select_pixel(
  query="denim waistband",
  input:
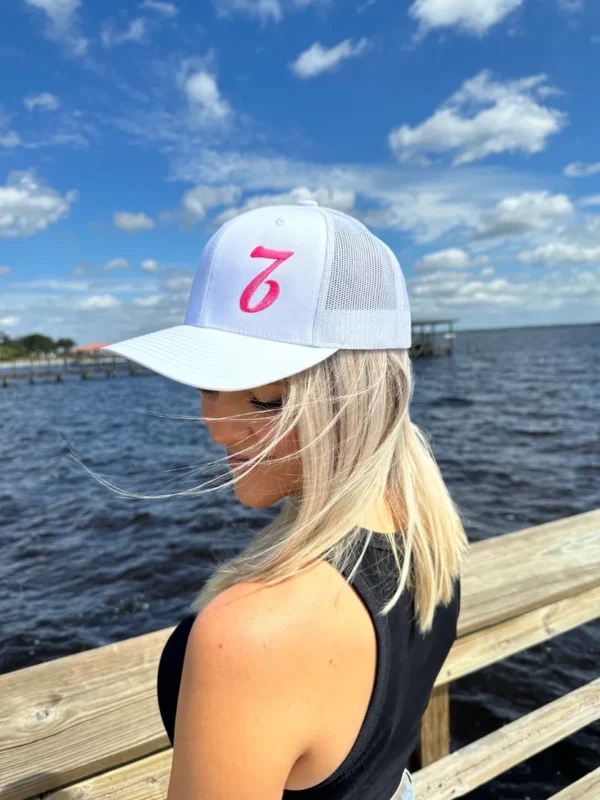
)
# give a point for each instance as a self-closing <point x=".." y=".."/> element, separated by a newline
<point x="405" y="789"/>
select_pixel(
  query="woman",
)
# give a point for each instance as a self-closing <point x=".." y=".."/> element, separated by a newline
<point x="309" y="659"/>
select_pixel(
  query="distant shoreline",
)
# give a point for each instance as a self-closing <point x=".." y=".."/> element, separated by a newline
<point x="26" y="362"/>
<point x="527" y="327"/>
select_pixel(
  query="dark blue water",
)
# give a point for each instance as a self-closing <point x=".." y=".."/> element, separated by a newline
<point x="514" y="424"/>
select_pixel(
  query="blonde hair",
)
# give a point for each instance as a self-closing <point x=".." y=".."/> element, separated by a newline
<point x="357" y="446"/>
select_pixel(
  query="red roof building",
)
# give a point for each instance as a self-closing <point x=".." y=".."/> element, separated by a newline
<point x="89" y="348"/>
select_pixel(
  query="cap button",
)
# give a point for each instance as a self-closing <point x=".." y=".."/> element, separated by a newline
<point x="307" y="203"/>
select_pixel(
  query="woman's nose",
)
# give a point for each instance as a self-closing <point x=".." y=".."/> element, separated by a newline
<point x="228" y="433"/>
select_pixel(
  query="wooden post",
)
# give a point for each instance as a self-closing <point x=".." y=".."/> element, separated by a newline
<point x="435" y="727"/>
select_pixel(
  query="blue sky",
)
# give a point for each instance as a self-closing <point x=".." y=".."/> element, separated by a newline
<point x="462" y="132"/>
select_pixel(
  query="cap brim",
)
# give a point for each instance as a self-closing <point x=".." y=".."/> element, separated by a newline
<point x="206" y="358"/>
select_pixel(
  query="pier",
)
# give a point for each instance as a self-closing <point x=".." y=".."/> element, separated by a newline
<point x="84" y="366"/>
<point x="88" y="725"/>
<point x="427" y="340"/>
<point x="87" y="362"/>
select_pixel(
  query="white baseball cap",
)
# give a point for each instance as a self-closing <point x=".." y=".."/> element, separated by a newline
<point x="278" y="290"/>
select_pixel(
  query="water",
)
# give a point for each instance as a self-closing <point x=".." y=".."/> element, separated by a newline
<point x="513" y="422"/>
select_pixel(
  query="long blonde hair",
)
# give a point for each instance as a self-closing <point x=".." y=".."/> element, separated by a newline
<point x="357" y="445"/>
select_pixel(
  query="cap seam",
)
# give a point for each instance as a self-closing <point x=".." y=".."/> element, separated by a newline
<point x="212" y="269"/>
<point x="323" y="273"/>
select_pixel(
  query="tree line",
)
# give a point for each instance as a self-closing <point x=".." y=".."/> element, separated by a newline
<point x="34" y="344"/>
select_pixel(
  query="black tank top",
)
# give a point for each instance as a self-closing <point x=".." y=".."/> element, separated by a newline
<point x="407" y="665"/>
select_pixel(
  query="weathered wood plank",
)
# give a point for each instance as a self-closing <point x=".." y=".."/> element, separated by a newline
<point x="75" y="716"/>
<point x="512" y="574"/>
<point x="474" y="765"/>
<point x="434" y="742"/>
<point x="97" y="710"/>
<point x="482" y="648"/>
<point x="452" y="777"/>
<point x="146" y="779"/>
<point x="586" y="788"/>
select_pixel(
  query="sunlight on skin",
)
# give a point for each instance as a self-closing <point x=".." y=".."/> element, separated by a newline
<point x="267" y="483"/>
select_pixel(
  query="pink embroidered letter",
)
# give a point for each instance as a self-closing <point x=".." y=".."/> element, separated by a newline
<point x="278" y="256"/>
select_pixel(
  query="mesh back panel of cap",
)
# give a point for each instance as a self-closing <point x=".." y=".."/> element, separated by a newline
<point x="363" y="295"/>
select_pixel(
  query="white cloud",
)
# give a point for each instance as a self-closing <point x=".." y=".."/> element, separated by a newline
<point x="423" y="204"/>
<point x="471" y="16"/>
<point x="10" y="139"/>
<point x="45" y="101"/>
<point x="530" y="211"/>
<point x="571" y="6"/>
<point x="569" y="295"/>
<point x="453" y="258"/>
<point x="262" y="9"/>
<point x="4" y="271"/>
<point x="8" y="322"/>
<point x="580" y="170"/>
<point x="59" y="12"/>
<point x="99" y="301"/>
<point x="196" y="201"/>
<point x="204" y="99"/>
<point x="560" y="253"/>
<point x="59" y="139"/>
<point x="86" y="310"/>
<point x="62" y="23"/>
<point x="135" y="32"/>
<point x="114" y="286"/>
<point x="62" y="129"/>
<point x="484" y="117"/>
<point x="149" y="265"/>
<point x="54" y="283"/>
<point x="179" y="283"/>
<point x="592" y="200"/>
<point x="318" y="59"/>
<point x="117" y="263"/>
<point x="28" y="206"/>
<point x="131" y="222"/>
<point x="330" y="198"/>
<point x="166" y="9"/>
<point x="148" y="302"/>
<point x="425" y="212"/>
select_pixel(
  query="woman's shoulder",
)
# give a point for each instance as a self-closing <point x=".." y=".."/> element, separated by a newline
<point x="292" y="609"/>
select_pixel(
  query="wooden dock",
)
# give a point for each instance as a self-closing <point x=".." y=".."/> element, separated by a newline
<point x="88" y="725"/>
<point x="90" y="365"/>
<point x="427" y="340"/>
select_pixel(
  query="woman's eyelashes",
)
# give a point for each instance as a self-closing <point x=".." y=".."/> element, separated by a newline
<point x="261" y="405"/>
<point x="273" y="405"/>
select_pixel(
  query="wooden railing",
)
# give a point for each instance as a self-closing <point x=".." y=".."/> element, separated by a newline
<point x="88" y="725"/>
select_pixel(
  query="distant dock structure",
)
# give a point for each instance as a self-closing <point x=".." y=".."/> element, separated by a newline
<point x="84" y="362"/>
<point x="87" y="361"/>
<point x="433" y="337"/>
